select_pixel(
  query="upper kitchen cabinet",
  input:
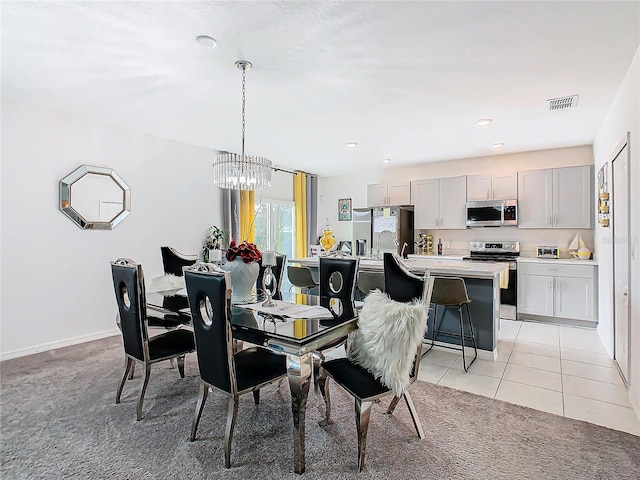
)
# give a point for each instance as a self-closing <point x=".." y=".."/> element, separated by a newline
<point x="439" y="203"/>
<point x="492" y="187"/>
<point x="556" y="198"/>
<point x="388" y="194"/>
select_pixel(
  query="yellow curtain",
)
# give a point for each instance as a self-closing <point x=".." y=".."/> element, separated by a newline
<point x="247" y="214"/>
<point x="300" y="201"/>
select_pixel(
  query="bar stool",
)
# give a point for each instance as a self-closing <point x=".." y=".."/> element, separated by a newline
<point x="300" y="277"/>
<point x="450" y="292"/>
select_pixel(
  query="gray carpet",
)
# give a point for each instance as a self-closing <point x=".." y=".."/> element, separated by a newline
<point x="59" y="420"/>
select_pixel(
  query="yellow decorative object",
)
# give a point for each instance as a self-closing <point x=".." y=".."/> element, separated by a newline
<point x="583" y="252"/>
<point x="328" y="240"/>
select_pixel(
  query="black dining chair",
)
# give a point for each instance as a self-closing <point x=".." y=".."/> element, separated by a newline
<point x="209" y="293"/>
<point x="277" y="270"/>
<point x="378" y="362"/>
<point x="128" y="283"/>
<point x="173" y="262"/>
<point x="336" y="288"/>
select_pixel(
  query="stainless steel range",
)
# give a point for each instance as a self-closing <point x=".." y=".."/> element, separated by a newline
<point x="507" y="252"/>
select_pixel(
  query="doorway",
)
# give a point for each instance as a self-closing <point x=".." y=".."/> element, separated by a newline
<point x="621" y="254"/>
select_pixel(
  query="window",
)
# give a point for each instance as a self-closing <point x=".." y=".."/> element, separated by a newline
<point x="275" y="229"/>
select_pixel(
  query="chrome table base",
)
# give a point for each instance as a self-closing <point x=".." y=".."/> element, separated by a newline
<point x="299" y="369"/>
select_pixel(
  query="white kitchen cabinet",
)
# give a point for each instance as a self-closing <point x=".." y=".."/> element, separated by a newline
<point x="492" y="187"/>
<point x="573" y="197"/>
<point x="562" y="291"/>
<point x="535" y="295"/>
<point x="556" y="198"/>
<point x="439" y="203"/>
<point x="388" y="194"/>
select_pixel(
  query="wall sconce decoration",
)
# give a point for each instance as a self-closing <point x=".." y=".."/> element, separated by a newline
<point x="603" y="197"/>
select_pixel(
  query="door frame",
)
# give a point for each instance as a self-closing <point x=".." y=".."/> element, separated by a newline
<point x="626" y="142"/>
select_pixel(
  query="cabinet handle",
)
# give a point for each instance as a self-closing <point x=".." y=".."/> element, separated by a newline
<point x="494" y="193"/>
<point x="441" y="222"/>
<point x="488" y="196"/>
<point x="550" y="221"/>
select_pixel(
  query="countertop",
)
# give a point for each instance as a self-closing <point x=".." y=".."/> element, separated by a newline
<point x="557" y="261"/>
<point x="521" y="259"/>
<point x="435" y="257"/>
<point x="433" y="264"/>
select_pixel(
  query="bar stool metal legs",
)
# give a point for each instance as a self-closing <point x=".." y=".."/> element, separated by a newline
<point x="449" y="293"/>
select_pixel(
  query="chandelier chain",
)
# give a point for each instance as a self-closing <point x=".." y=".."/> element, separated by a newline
<point x="240" y="172"/>
<point x="244" y="75"/>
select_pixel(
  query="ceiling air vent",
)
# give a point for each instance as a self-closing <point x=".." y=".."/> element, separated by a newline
<point x="561" y="103"/>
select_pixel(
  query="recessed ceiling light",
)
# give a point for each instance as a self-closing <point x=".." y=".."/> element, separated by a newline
<point x="497" y="145"/>
<point x="351" y="144"/>
<point x="206" y="41"/>
<point x="386" y="160"/>
<point x="483" y="122"/>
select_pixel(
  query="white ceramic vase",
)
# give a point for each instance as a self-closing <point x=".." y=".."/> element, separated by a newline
<point x="243" y="278"/>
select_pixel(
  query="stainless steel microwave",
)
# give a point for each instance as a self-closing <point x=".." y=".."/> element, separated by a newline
<point x="492" y="213"/>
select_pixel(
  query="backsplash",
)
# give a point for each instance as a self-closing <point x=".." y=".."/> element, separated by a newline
<point x="456" y="242"/>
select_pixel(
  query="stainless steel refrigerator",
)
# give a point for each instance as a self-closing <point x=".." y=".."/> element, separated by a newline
<point x="361" y="244"/>
<point x="392" y="230"/>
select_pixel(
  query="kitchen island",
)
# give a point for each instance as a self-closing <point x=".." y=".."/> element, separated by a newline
<point x="483" y="287"/>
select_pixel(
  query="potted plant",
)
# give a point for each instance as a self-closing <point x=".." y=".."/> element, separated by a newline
<point x="212" y="241"/>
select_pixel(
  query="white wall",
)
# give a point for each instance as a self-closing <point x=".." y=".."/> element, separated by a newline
<point x="281" y="187"/>
<point x="355" y="187"/>
<point x="623" y="117"/>
<point x="56" y="281"/>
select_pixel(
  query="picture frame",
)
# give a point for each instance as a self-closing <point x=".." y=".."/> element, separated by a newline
<point x="344" y="210"/>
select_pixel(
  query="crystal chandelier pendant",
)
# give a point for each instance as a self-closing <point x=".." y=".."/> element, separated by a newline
<point x="239" y="171"/>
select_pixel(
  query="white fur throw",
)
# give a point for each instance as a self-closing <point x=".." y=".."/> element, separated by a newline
<point x="387" y="337"/>
<point x="168" y="284"/>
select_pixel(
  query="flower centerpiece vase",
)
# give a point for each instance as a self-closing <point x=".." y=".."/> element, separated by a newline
<point x="243" y="278"/>
<point x="242" y="262"/>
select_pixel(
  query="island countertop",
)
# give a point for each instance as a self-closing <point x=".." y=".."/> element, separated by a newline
<point x="434" y="266"/>
<point x="483" y="281"/>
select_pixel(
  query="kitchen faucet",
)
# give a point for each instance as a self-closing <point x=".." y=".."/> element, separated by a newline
<point x="395" y="241"/>
<point x="404" y="245"/>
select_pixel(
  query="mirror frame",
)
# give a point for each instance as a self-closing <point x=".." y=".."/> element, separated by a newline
<point x="69" y="211"/>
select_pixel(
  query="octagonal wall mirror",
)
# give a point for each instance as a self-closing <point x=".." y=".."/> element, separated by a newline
<point x="95" y="198"/>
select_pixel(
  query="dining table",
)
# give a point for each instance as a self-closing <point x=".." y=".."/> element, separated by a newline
<point x="297" y="326"/>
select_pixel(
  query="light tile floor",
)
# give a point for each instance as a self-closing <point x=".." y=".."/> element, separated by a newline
<point x="554" y="368"/>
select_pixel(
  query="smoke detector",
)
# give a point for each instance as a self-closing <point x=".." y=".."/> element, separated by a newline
<point x="561" y="103"/>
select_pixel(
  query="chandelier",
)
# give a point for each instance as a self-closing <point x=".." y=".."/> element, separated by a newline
<point x="242" y="172"/>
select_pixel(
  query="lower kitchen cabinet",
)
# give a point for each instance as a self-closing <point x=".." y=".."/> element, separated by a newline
<point x="562" y="291"/>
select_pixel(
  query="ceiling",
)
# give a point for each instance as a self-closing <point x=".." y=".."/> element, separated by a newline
<point x="406" y="80"/>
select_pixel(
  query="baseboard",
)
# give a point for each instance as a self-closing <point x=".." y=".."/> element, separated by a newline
<point x="526" y="317"/>
<point x="21" y="352"/>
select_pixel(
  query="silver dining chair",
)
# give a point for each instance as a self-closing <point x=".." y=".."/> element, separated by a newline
<point x="232" y="374"/>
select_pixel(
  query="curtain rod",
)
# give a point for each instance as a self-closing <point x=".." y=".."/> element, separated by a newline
<point x="277" y="169"/>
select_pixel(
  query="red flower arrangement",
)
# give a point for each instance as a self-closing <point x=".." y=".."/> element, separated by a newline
<point x="248" y="252"/>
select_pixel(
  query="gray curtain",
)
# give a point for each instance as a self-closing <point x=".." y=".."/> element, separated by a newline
<point x="312" y="210"/>
<point x="231" y="214"/>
